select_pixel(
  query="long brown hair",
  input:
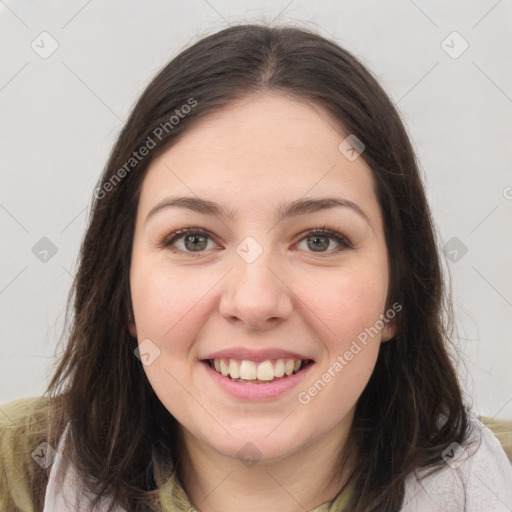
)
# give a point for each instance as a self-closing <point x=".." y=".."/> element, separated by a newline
<point x="412" y="407"/>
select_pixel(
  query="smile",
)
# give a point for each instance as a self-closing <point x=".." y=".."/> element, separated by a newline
<point x="263" y="372"/>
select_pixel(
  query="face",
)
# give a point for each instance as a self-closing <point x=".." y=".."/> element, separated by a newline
<point x="275" y="263"/>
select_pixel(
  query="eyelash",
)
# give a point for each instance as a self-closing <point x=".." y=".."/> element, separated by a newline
<point x="328" y="233"/>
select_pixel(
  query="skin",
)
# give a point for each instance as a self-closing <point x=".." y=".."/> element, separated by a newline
<point x="259" y="152"/>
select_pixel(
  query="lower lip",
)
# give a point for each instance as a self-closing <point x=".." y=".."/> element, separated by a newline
<point x="251" y="391"/>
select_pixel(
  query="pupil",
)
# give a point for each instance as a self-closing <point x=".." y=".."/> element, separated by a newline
<point x="321" y="242"/>
<point x="198" y="242"/>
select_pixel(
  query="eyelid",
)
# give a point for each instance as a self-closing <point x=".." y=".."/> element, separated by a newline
<point x="167" y="241"/>
<point x="329" y="233"/>
<point x="341" y="239"/>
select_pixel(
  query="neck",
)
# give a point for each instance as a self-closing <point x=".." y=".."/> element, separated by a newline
<point x="215" y="482"/>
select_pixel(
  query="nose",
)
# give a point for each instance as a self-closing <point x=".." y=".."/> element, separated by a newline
<point x="255" y="295"/>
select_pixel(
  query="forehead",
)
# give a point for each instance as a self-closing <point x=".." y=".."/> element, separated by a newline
<point x="259" y="151"/>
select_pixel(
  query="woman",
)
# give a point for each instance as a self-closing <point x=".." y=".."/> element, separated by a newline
<point x="259" y="316"/>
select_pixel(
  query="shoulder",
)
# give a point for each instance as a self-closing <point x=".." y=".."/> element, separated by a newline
<point x="23" y="425"/>
<point x="475" y="476"/>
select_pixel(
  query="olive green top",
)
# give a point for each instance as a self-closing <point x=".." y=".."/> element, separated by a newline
<point x="23" y="426"/>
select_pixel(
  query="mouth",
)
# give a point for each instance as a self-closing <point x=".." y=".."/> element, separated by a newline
<point x="252" y="372"/>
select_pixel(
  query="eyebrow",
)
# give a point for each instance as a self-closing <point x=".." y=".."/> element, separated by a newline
<point x="285" y="210"/>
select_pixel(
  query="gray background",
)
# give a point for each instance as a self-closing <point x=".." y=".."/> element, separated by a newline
<point x="61" y="114"/>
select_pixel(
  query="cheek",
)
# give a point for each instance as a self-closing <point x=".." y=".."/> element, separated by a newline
<point x="346" y="303"/>
<point x="170" y="308"/>
<point x="167" y="303"/>
<point x="346" y="318"/>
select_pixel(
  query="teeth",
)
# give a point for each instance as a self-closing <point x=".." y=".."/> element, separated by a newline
<point x="279" y="368"/>
<point x="250" y="370"/>
<point x="224" y="369"/>
<point x="234" y="369"/>
<point x="265" y="371"/>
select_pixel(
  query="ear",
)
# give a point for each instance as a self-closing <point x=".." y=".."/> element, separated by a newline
<point x="133" y="329"/>
<point x="389" y="331"/>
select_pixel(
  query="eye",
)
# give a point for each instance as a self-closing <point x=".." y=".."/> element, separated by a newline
<point x="197" y="240"/>
<point x="188" y="240"/>
<point x="319" y="241"/>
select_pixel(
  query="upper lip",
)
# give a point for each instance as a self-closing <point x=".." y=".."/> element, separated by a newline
<point x="254" y="355"/>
